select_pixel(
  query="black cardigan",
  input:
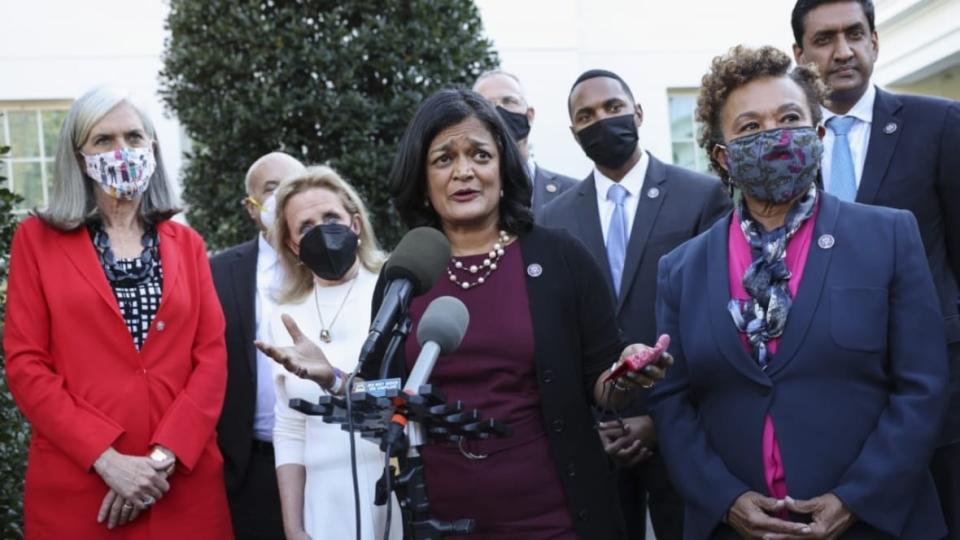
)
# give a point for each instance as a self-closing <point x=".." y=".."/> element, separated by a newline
<point x="575" y="340"/>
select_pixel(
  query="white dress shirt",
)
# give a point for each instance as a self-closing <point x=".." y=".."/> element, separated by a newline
<point x="859" y="136"/>
<point x="269" y="279"/>
<point x="633" y="182"/>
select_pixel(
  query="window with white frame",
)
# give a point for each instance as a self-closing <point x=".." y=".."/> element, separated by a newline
<point x="683" y="131"/>
<point x="30" y="129"/>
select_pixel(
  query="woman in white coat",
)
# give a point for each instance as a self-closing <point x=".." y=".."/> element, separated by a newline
<point x="330" y="258"/>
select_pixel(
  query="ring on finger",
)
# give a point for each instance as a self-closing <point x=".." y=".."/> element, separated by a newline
<point x="127" y="506"/>
<point x="148" y="501"/>
<point x="647" y="386"/>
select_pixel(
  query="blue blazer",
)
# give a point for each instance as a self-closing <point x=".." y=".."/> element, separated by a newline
<point x="913" y="163"/>
<point x="857" y="389"/>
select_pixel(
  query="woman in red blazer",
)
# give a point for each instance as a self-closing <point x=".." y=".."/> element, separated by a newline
<point x="114" y="343"/>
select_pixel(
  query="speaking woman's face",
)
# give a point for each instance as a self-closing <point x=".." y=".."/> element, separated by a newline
<point x="463" y="176"/>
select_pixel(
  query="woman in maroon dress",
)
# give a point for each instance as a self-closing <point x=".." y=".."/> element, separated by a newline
<point x="539" y="337"/>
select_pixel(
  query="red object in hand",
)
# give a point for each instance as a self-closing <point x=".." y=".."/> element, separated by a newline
<point x="636" y="362"/>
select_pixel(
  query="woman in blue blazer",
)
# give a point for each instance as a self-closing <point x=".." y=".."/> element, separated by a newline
<point x="809" y="382"/>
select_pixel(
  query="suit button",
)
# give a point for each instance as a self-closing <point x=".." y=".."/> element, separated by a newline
<point x="558" y="425"/>
<point x="161" y="325"/>
<point x="571" y="469"/>
<point x="548" y="376"/>
<point x="583" y="514"/>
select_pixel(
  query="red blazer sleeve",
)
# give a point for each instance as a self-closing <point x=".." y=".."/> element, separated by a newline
<point x="188" y="425"/>
<point x="75" y="426"/>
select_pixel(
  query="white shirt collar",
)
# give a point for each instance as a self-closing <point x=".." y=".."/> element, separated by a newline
<point x="531" y="169"/>
<point x="633" y="181"/>
<point x="265" y="254"/>
<point x="862" y="110"/>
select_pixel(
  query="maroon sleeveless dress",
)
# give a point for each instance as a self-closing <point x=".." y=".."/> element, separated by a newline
<point x="514" y="492"/>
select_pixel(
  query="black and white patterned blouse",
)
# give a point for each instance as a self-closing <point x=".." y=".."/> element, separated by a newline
<point x="137" y="282"/>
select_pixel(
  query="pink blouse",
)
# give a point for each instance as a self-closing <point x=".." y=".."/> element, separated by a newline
<point x="739" y="260"/>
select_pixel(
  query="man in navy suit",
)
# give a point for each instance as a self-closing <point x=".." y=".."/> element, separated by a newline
<point x="243" y="276"/>
<point x="899" y="151"/>
<point x="504" y="91"/>
<point x="659" y="206"/>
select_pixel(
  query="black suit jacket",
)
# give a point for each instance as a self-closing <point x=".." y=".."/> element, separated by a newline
<point x="575" y="341"/>
<point x="913" y="163"/>
<point x="547" y="186"/>
<point x="235" y="278"/>
<point x="676" y="204"/>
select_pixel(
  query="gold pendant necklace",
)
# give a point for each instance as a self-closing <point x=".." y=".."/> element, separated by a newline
<point x="325" y="332"/>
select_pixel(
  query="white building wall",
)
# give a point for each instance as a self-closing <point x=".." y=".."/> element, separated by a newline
<point x="655" y="45"/>
<point x="59" y="49"/>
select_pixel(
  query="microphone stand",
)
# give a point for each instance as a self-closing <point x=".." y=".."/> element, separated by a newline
<point x="429" y="418"/>
<point x="398" y="338"/>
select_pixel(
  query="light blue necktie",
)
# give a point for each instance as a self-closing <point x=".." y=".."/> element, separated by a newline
<point x="617" y="234"/>
<point x="843" y="179"/>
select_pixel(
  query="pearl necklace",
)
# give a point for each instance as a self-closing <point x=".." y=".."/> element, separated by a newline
<point x="489" y="264"/>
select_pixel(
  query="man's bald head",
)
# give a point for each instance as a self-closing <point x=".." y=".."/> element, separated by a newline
<point x="502" y="88"/>
<point x="264" y="176"/>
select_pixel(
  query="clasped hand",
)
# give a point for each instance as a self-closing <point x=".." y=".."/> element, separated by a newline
<point x="136" y="483"/>
<point x="752" y="515"/>
<point x="630" y="441"/>
<point x="304" y="358"/>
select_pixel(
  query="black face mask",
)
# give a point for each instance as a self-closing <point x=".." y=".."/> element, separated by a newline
<point x="329" y="250"/>
<point x="611" y="141"/>
<point x="517" y="123"/>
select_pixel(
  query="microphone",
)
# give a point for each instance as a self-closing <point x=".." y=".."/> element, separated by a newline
<point x="412" y="269"/>
<point x="441" y="329"/>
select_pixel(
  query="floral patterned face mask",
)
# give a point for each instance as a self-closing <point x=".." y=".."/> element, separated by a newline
<point x="123" y="173"/>
<point x="775" y="166"/>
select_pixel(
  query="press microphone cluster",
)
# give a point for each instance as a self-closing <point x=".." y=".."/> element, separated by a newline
<point x="414" y="266"/>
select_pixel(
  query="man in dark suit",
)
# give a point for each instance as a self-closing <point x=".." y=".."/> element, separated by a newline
<point x="629" y="212"/>
<point x="899" y="151"/>
<point x="505" y="92"/>
<point x="244" y="276"/>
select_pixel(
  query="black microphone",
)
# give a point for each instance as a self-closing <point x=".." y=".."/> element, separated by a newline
<point x="413" y="268"/>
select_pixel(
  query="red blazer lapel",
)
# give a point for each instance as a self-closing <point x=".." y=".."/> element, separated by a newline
<point x="79" y="249"/>
<point x="170" y="259"/>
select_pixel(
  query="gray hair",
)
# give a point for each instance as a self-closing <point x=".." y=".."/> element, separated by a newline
<point x="73" y="203"/>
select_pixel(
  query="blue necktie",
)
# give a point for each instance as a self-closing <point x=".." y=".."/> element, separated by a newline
<point x="617" y="234"/>
<point x="843" y="179"/>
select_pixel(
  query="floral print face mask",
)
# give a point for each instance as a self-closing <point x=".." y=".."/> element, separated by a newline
<point x="775" y="166"/>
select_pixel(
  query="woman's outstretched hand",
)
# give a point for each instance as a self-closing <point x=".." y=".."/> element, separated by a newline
<point x="304" y="358"/>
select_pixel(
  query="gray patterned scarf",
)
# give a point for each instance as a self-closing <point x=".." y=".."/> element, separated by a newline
<point x="767" y="279"/>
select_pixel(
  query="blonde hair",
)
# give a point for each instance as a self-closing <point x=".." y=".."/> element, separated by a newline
<point x="298" y="280"/>
<point x="72" y="202"/>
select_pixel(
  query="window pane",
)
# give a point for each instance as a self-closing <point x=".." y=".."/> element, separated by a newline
<point x="52" y="120"/>
<point x="683" y="155"/>
<point x="28" y="182"/>
<point x="681" y="117"/>
<point x="3" y="132"/>
<point x="23" y="134"/>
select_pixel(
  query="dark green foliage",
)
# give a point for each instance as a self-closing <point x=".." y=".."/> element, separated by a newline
<point x="326" y="81"/>
<point x="14" y="432"/>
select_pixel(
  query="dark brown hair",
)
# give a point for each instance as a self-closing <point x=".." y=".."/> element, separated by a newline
<point x="742" y="65"/>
